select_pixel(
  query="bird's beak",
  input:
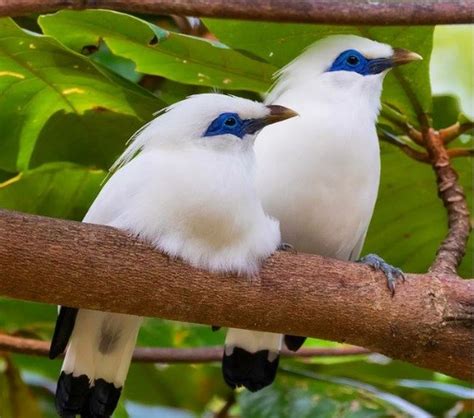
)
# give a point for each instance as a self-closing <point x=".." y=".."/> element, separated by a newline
<point x="404" y="56"/>
<point x="277" y="114"/>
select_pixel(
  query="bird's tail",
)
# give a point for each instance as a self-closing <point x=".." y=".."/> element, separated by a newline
<point x="97" y="360"/>
<point x="250" y="358"/>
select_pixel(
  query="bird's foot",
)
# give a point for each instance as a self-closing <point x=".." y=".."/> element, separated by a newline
<point x="284" y="246"/>
<point x="391" y="273"/>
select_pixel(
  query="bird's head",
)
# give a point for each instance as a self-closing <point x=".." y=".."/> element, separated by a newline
<point x="344" y="64"/>
<point x="205" y="121"/>
<point x="212" y="121"/>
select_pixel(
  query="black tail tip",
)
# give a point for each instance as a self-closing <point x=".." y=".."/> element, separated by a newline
<point x="294" y="342"/>
<point x="71" y="394"/>
<point x="103" y="399"/>
<point x="253" y="371"/>
<point x="54" y="352"/>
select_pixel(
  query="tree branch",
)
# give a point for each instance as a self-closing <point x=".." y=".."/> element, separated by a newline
<point x="388" y="12"/>
<point x="452" y="132"/>
<point x="429" y="322"/>
<point x="452" y="249"/>
<point x="20" y="345"/>
<point x="460" y="152"/>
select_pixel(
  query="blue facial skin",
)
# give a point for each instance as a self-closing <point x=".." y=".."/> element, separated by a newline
<point x="231" y="124"/>
<point x="352" y="60"/>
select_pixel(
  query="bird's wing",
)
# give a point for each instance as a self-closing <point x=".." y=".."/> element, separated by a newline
<point x="355" y="253"/>
<point x="63" y="330"/>
<point x="104" y="210"/>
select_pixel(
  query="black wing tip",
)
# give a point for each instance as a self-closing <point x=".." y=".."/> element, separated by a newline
<point x="55" y="350"/>
<point x="71" y="394"/>
<point x="62" y="331"/>
<point x="254" y="371"/>
<point x="103" y="399"/>
<point x="294" y="342"/>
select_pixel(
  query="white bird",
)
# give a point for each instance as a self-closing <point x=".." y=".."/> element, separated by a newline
<point x="186" y="186"/>
<point x="318" y="174"/>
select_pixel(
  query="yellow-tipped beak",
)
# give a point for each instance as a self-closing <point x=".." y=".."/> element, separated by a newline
<point x="404" y="56"/>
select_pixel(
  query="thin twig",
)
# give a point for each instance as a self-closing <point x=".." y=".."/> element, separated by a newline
<point x="452" y="132"/>
<point x="411" y="152"/>
<point x="30" y="346"/>
<point x="460" y="152"/>
<point x="452" y="249"/>
<point x="224" y="411"/>
<point x="414" y="134"/>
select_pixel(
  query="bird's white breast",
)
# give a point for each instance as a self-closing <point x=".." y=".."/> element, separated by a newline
<point x="319" y="173"/>
<point x="199" y="205"/>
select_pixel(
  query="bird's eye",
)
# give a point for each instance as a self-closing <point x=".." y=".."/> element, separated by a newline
<point x="352" y="60"/>
<point x="230" y="121"/>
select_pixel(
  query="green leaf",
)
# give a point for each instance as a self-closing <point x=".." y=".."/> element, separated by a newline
<point x="33" y="319"/>
<point x="416" y="385"/>
<point x="406" y="88"/>
<point x="446" y="110"/>
<point x="178" y="57"/>
<point x="277" y="43"/>
<point x="165" y="385"/>
<point x="41" y="79"/>
<point x="98" y="148"/>
<point x="294" y="396"/>
<point x="59" y="190"/>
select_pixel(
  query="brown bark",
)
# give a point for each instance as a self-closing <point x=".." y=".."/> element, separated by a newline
<point x="428" y="322"/>
<point x="452" y="132"/>
<point x="20" y="345"/>
<point x="388" y="12"/>
<point x="452" y="249"/>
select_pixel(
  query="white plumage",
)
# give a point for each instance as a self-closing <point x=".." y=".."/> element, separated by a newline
<point x="319" y="174"/>
<point x="189" y="193"/>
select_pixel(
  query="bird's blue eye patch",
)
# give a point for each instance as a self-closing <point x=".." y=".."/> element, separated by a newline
<point x="227" y="123"/>
<point x="352" y="60"/>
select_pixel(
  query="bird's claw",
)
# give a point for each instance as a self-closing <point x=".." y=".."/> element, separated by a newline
<point x="391" y="273"/>
<point x="284" y="246"/>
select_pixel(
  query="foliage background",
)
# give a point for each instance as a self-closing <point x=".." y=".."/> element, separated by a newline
<point x="74" y="86"/>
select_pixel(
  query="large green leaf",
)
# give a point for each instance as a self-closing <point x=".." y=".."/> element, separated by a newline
<point x="59" y="190"/>
<point x="156" y="51"/>
<point x="49" y="94"/>
<point x="418" y="386"/>
<point x="406" y="88"/>
<point x="307" y="395"/>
